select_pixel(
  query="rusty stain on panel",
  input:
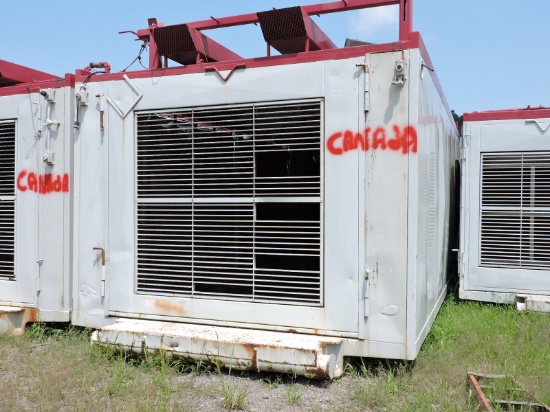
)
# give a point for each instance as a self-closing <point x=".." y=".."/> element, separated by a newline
<point x="13" y="320"/>
<point x="31" y="315"/>
<point x="168" y="306"/>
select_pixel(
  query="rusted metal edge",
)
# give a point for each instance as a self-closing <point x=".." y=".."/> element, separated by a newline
<point x="315" y="357"/>
<point x="13" y="319"/>
<point x="473" y="381"/>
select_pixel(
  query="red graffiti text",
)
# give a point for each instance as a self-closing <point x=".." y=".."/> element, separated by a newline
<point x="43" y="184"/>
<point x="400" y="139"/>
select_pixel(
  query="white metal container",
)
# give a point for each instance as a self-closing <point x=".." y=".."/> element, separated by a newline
<point x="505" y="213"/>
<point x="279" y="219"/>
<point x="35" y="218"/>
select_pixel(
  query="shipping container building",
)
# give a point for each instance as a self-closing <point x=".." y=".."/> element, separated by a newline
<point x="505" y="207"/>
<point x="274" y="213"/>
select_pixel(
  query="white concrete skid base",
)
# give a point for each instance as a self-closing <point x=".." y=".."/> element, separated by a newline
<point x="312" y="356"/>
<point x="536" y="303"/>
<point x="13" y="319"/>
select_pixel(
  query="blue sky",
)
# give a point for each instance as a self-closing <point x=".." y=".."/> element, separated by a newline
<point x="488" y="54"/>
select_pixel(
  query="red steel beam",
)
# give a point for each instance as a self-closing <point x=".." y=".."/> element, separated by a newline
<point x="312" y="10"/>
<point x="11" y="73"/>
<point x="405" y="19"/>
<point x="187" y="45"/>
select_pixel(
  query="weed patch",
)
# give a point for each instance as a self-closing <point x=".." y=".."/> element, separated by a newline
<point x="66" y="372"/>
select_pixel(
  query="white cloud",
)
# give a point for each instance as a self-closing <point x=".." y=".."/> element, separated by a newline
<point x="367" y="22"/>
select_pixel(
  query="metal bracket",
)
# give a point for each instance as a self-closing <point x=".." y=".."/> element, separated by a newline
<point x="226" y="78"/>
<point x="399" y="73"/>
<point x="101" y="112"/>
<point x="103" y="261"/>
<point x="366" y="94"/>
<point x="543" y="126"/>
<point x="49" y="95"/>
<point x="39" y="262"/>
<point x="118" y="109"/>
<point x="81" y="98"/>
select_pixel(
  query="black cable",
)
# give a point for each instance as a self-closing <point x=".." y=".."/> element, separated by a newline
<point x="141" y="50"/>
<point x="87" y="79"/>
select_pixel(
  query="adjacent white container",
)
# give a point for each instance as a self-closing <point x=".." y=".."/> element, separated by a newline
<point x="35" y="201"/>
<point x="505" y="213"/>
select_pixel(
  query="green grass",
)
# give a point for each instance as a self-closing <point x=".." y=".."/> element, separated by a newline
<point x="293" y="394"/>
<point x="53" y="367"/>
<point x="466" y="336"/>
<point x="272" y="381"/>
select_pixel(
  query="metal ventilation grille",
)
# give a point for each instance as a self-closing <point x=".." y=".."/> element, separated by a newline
<point x="7" y="158"/>
<point x="164" y="166"/>
<point x="282" y="23"/>
<point x="515" y="210"/>
<point x="229" y="202"/>
<point x="287" y="154"/>
<point x="173" y="39"/>
<point x="7" y="199"/>
<point x="164" y="247"/>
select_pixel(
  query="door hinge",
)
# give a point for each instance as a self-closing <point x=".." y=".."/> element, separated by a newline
<point x="366" y="290"/>
<point x="103" y="261"/>
<point x="366" y="94"/>
<point x="38" y="275"/>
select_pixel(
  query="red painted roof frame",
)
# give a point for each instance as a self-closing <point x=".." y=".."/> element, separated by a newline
<point x="405" y="21"/>
<point x="267" y="61"/>
<point x="414" y="42"/>
<point x="35" y="87"/>
<point x="509" y="114"/>
<point x="11" y="74"/>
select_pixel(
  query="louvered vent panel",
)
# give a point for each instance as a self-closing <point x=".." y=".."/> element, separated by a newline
<point x="164" y="247"/>
<point x="200" y="231"/>
<point x="223" y="152"/>
<point x="222" y="248"/>
<point x="164" y="155"/>
<point x="288" y="157"/>
<point x="7" y="239"/>
<point x="287" y="249"/>
<point x="7" y="199"/>
<point x="7" y="158"/>
<point x="515" y="210"/>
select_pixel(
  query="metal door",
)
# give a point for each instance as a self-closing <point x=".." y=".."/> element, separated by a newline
<point x="90" y="206"/>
